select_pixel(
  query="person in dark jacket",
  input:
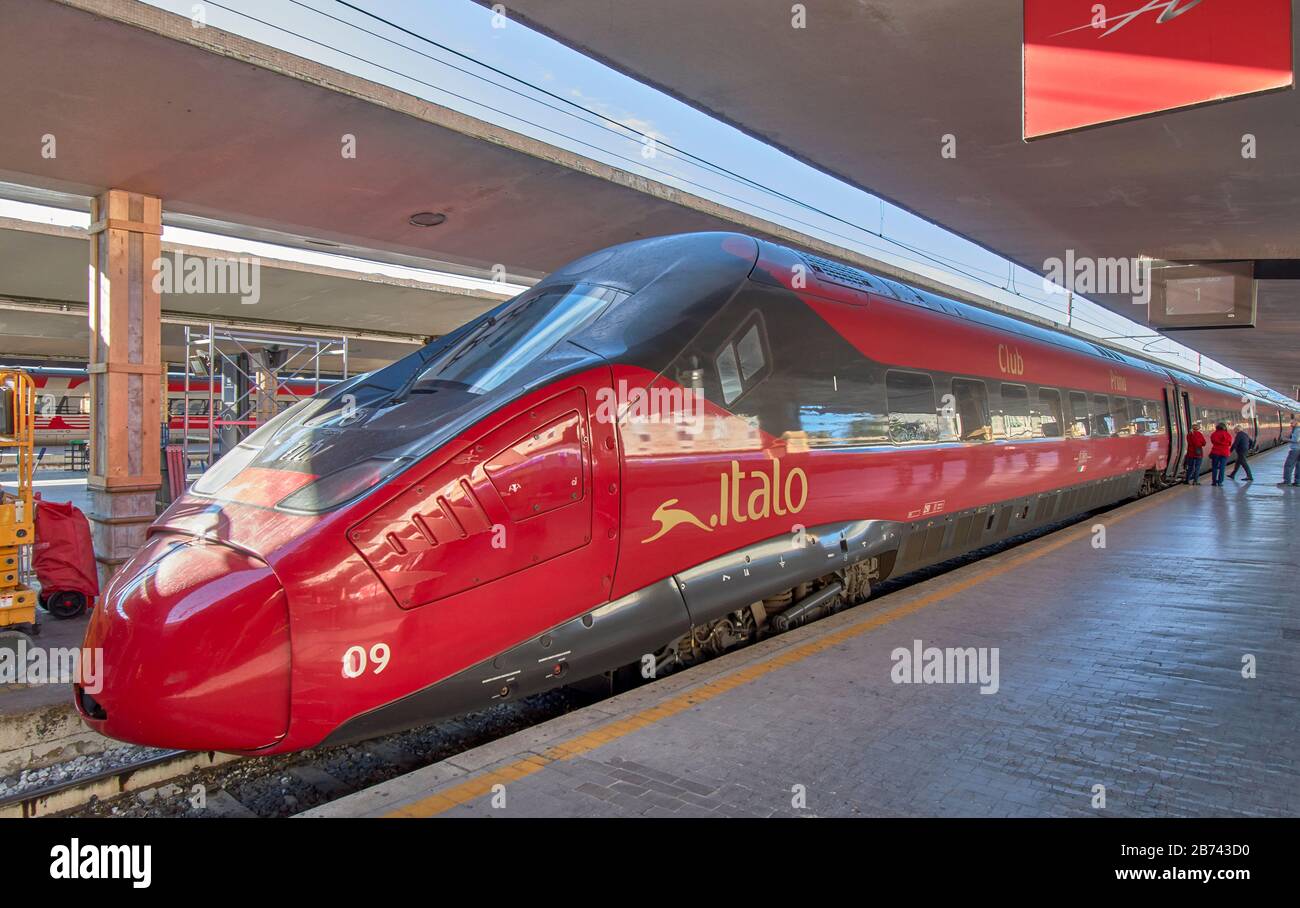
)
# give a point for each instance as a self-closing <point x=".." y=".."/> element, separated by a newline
<point x="1220" y="448"/>
<point x="1241" y="445"/>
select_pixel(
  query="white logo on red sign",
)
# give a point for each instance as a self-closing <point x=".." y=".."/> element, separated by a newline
<point x="1170" y="9"/>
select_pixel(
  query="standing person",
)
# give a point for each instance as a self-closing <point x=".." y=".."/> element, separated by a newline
<point x="1195" y="454"/>
<point x="1220" y="448"/>
<point x="1240" y="448"/>
<point x="1291" y="472"/>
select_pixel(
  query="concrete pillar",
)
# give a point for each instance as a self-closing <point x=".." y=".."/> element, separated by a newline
<point x="125" y="369"/>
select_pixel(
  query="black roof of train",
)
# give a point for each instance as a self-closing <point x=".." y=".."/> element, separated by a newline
<point x="915" y="296"/>
<point x="634" y="265"/>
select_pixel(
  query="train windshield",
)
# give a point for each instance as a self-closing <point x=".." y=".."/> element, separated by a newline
<point x="356" y="434"/>
<point x="499" y="346"/>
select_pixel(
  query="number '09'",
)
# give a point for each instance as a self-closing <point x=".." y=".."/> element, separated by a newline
<point x="355" y="660"/>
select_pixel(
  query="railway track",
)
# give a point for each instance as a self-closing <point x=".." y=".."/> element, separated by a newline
<point x="206" y="784"/>
<point x="58" y="797"/>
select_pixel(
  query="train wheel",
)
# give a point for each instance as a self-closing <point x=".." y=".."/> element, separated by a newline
<point x="67" y="604"/>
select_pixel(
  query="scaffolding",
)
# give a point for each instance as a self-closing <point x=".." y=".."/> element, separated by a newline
<point x="237" y="379"/>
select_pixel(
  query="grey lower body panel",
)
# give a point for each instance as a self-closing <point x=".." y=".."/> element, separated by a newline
<point x="940" y="537"/>
<point x="617" y="633"/>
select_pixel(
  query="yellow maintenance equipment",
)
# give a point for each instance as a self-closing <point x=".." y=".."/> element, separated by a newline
<point x="17" y="515"/>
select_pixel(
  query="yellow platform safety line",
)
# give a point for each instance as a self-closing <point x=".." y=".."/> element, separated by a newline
<point x="482" y="783"/>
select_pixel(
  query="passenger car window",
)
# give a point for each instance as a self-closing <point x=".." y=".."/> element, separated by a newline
<point x="849" y="426"/>
<point x="970" y="415"/>
<point x="1140" y="411"/>
<point x="1119" y="409"/>
<point x="842" y="402"/>
<point x="1049" y="419"/>
<point x="1015" y="412"/>
<point x="1079" y="416"/>
<point x="1103" y="425"/>
<point x="1157" y="413"/>
<point x="913" y="418"/>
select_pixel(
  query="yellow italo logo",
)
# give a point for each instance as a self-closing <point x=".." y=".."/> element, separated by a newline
<point x="741" y="497"/>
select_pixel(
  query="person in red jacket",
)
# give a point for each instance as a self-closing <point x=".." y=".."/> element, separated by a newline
<point x="1220" y="448"/>
<point x="1195" y="454"/>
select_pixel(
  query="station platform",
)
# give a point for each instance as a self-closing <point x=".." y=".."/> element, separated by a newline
<point x="1126" y="666"/>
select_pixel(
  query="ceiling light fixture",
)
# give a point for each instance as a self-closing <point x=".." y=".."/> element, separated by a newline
<point x="427" y="218"/>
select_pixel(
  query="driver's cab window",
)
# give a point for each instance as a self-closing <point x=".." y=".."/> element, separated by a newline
<point x="744" y="360"/>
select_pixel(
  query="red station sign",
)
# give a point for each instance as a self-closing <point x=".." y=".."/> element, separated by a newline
<point x="1089" y="63"/>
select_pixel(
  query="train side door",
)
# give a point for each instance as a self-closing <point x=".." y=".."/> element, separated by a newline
<point x="1189" y="421"/>
<point x="1177" y="434"/>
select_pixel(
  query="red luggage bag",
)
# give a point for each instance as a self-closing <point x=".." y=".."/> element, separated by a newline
<point x="64" y="559"/>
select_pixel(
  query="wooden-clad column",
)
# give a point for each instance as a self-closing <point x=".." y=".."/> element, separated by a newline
<point x="125" y="370"/>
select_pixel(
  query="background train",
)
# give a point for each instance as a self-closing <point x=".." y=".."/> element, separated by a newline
<point x="661" y="451"/>
<point x="63" y="402"/>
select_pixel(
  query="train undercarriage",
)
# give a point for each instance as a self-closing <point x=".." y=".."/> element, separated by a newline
<point x="795" y="607"/>
<point x="800" y="605"/>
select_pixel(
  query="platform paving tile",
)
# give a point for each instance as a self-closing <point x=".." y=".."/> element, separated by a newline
<point x="1118" y="667"/>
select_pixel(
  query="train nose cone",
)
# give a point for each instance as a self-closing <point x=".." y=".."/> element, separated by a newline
<point x="195" y="640"/>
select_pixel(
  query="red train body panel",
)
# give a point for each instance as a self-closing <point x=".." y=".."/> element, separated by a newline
<point x="656" y="453"/>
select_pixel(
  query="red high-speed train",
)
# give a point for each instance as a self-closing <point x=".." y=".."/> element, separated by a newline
<point x="659" y="452"/>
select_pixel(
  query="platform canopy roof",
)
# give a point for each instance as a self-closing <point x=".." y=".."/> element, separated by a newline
<point x="43" y="286"/>
<point x="243" y="134"/>
<point x="869" y="88"/>
<point x="242" y="139"/>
